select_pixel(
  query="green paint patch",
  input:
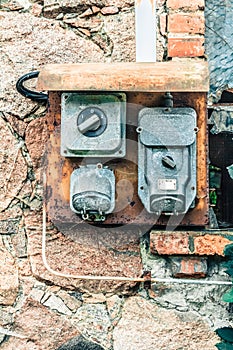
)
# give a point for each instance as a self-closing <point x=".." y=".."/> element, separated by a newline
<point x="226" y="333"/>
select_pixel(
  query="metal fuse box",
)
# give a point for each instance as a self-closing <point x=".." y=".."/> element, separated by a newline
<point x="93" y="124"/>
<point x="167" y="159"/>
<point x="92" y="192"/>
<point x="80" y="93"/>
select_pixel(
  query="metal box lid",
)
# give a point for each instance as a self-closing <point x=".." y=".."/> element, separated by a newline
<point x="167" y="126"/>
<point x="111" y="108"/>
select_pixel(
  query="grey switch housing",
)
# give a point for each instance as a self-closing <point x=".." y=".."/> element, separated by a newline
<point x="93" y="124"/>
<point x="167" y="159"/>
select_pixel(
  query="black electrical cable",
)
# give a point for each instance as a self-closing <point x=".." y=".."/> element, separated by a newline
<point x="33" y="95"/>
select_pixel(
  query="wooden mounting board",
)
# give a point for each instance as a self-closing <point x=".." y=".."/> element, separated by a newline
<point x="173" y="76"/>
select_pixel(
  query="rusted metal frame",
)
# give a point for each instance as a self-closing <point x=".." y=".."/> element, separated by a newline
<point x="60" y="168"/>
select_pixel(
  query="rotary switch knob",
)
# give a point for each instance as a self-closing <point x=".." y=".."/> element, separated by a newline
<point x="168" y="162"/>
<point x="92" y="122"/>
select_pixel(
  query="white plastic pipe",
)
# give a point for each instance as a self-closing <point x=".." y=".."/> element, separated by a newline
<point x="145" y="27"/>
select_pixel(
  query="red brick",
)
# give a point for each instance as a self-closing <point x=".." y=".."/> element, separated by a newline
<point x="186" y="47"/>
<point x="186" y="23"/>
<point x="186" y="4"/>
<point x="210" y="244"/>
<point x="168" y="244"/>
<point x="189" y="267"/>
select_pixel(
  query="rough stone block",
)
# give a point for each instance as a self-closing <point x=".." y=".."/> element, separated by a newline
<point x="6" y="316"/>
<point x="109" y="10"/>
<point x="186" y="47"/>
<point x="15" y="123"/>
<point x="90" y="23"/>
<point x="20" y="243"/>
<point x="94" y="322"/>
<point x="191" y="23"/>
<point x="55" y="303"/>
<point x="40" y="328"/>
<point x="8" y="277"/>
<point x="51" y="9"/>
<point x="12" y="164"/>
<point x="13" y="213"/>
<point x="70" y="301"/>
<point x="93" y="298"/>
<point x="8" y="227"/>
<point x="121" y="31"/>
<point x="145" y="326"/>
<point x="23" y="32"/>
<point x="114" y="306"/>
<point x="36" y="9"/>
<point x="35" y="140"/>
<point x="12" y="5"/>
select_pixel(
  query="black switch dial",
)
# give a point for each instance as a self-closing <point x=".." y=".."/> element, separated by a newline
<point x="168" y="162"/>
<point x="92" y="122"/>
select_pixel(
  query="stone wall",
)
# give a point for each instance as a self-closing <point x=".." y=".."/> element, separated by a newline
<point x="40" y="311"/>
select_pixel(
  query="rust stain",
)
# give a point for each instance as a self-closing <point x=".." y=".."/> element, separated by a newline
<point x="147" y="279"/>
<point x="67" y="169"/>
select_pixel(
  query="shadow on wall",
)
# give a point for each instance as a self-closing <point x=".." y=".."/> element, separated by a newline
<point x="80" y="343"/>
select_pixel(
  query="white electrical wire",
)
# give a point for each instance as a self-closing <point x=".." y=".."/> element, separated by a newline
<point x="117" y="278"/>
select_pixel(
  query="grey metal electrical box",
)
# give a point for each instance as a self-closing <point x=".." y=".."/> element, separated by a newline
<point x="167" y="159"/>
<point x="93" y="124"/>
<point x="92" y="192"/>
<point x="87" y="124"/>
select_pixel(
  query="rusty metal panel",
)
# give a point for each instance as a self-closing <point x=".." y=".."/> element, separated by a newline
<point x="129" y="209"/>
<point x="145" y="77"/>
